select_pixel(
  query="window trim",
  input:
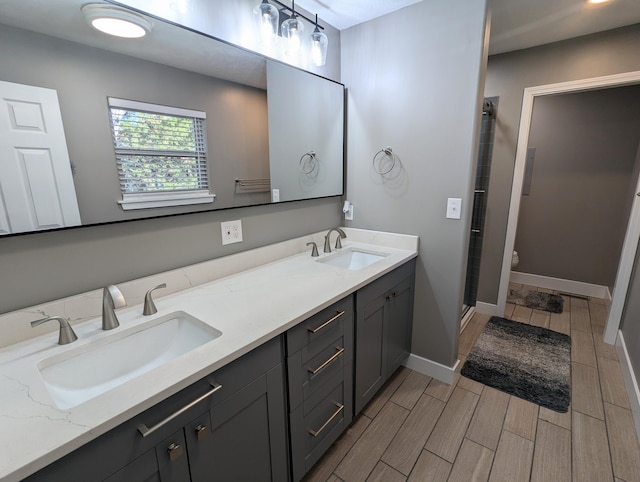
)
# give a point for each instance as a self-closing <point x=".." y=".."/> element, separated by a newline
<point x="146" y="200"/>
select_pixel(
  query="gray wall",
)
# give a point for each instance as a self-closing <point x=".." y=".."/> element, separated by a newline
<point x="630" y="325"/>
<point x="508" y="75"/>
<point x="414" y="81"/>
<point x="42" y="267"/>
<point x="237" y="134"/>
<point x="572" y="224"/>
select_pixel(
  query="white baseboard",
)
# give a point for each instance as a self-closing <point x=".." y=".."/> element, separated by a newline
<point x="432" y="369"/>
<point x="565" y="285"/>
<point x="488" y="309"/>
<point x="630" y="380"/>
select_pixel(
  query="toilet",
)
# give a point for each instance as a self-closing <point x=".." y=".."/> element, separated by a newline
<point x="514" y="260"/>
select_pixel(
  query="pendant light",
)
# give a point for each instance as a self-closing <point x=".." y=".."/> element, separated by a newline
<point x="268" y="17"/>
<point x="319" y="43"/>
<point x="292" y="30"/>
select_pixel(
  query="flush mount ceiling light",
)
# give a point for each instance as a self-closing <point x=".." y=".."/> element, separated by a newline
<point x="598" y="1"/>
<point x="116" y="21"/>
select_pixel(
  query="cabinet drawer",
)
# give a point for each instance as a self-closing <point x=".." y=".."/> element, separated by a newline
<point x="316" y="424"/>
<point x="319" y="372"/>
<point x="320" y="325"/>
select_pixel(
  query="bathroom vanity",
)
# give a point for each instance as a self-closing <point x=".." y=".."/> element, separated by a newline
<point x="263" y="400"/>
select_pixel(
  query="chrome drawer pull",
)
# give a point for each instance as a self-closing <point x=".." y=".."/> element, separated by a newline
<point x="146" y="431"/>
<point x="328" y="322"/>
<point x="324" y="425"/>
<point x="333" y="357"/>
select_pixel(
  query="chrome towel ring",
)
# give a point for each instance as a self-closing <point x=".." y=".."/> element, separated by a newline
<point x="309" y="163"/>
<point x="384" y="161"/>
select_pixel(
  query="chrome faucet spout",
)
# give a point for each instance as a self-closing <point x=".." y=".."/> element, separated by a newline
<point x="112" y="298"/>
<point x="327" y="239"/>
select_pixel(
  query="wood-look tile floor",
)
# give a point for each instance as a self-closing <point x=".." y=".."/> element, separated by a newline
<point x="419" y="429"/>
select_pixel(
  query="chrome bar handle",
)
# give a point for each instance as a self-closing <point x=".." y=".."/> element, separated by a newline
<point x="315" y="433"/>
<point x="333" y="357"/>
<point x="146" y="431"/>
<point x="326" y="323"/>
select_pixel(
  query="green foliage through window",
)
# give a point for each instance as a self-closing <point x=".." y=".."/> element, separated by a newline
<point x="158" y="152"/>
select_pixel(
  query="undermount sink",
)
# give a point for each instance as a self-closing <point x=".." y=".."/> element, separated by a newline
<point x="353" y="259"/>
<point x="82" y="373"/>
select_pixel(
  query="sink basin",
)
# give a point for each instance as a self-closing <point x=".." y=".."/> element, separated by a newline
<point x="353" y="259"/>
<point x="82" y="373"/>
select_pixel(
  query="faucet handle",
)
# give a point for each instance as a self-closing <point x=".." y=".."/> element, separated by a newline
<point x="149" y="305"/>
<point x="66" y="335"/>
<point x="314" y="250"/>
<point x="338" y="243"/>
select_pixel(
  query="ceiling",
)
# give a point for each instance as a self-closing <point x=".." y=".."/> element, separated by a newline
<point x="515" y="24"/>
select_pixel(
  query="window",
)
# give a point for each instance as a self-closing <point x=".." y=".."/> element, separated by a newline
<point x="161" y="154"/>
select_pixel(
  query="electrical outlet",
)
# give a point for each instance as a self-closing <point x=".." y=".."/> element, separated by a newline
<point x="275" y="195"/>
<point x="231" y="232"/>
<point x="349" y="214"/>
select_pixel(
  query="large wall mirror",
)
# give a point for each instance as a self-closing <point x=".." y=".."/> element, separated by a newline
<point x="273" y="133"/>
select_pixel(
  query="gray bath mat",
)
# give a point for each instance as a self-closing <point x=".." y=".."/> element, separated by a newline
<point x="535" y="299"/>
<point x="527" y="361"/>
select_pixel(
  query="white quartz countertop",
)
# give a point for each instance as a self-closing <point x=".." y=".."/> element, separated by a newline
<point x="249" y="308"/>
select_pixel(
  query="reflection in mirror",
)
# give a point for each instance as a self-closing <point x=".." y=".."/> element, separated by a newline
<point x="305" y="133"/>
<point x="172" y="67"/>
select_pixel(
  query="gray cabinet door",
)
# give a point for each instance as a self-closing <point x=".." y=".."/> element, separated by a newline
<point x="247" y="439"/>
<point x="370" y="359"/>
<point x="399" y="324"/>
<point x="384" y="320"/>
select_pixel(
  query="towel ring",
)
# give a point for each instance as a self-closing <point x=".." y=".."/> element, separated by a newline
<point x="387" y="152"/>
<point x="308" y="162"/>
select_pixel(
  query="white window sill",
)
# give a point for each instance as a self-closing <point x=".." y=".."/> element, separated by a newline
<point x="160" y="200"/>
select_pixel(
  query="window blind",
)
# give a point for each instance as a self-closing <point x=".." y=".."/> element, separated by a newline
<point x="159" y="149"/>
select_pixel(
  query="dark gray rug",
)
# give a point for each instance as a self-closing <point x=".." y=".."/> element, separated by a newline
<point x="527" y="361"/>
<point x="535" y="299"/>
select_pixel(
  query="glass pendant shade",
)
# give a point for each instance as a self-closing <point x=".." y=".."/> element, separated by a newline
<point x="319" y="43"/>
<point x="268" y="17"/>
<point x="292" y="30"/>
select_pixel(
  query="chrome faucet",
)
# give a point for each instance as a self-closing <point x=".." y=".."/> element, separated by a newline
<point x="149" y="305"/>
<point x="327" y="240"/>
<point x="66" y="335"/>
<point x="111" y="299"/>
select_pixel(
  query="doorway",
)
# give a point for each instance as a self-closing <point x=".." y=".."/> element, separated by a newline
<point x="633" y="229"/>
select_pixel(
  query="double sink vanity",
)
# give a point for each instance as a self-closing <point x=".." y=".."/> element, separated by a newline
<point x="251" y="376"/>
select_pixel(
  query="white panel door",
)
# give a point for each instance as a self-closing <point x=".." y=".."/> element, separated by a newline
<point x="36" y="184"/>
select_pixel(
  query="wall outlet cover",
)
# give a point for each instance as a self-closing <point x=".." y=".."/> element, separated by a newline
<point x="231" y="232"/>
<point x="454" y="206"/>
<point x="349" y="214"/>
<point x="275" y="195"/>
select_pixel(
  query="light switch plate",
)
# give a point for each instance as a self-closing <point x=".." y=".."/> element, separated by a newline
<point x="231" y="232"/>
<point x="454" y="206"/>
